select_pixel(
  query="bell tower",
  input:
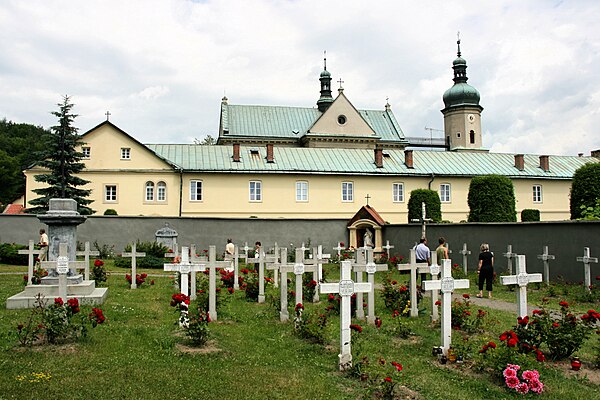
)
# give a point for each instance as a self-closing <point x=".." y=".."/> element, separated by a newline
<point x="462" y="112"/>
<point x="325" y="100"/>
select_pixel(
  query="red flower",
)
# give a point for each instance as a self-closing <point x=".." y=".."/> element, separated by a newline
<point x="58" y="301"/>
<point x="378" y="322"/>
<point x="540" y="356"/>
<point x="230" y="290"/>
<point x="73" y="304"/>
<point x="397" y="365"/>
<point x="537" y="312"/>
<point x="512" y="342"/>
<point x="438" y="303"/>
<point x="523" y="321"/>
<point x="356" y="328"/>
<point x="394" y="282"/>
<point x="96" y="316"/>
<point x="98" y="263"/>
<point x="555" y="324"/>
<point x="466" y="296"/>
<point x="388" y="379"/>
<point x="563" y="304"/>
<point x="299" y="306"/>
<point x="152" y="282"/>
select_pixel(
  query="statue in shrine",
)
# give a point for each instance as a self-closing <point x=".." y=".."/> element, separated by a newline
<point x="368" y="238"/>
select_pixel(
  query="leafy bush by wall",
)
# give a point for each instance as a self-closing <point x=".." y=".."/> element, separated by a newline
<point x="155" y="253"/>
<point x="585" y="189"/>
<point x="433" y="206"/>
<point x="530" y="214"/>
<point x="9" y="254"/>
<point x="110" y="211"/>
<point x="491" y="199"/>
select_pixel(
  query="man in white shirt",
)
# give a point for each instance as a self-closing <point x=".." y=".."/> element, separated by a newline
<point x="422" y="254"/>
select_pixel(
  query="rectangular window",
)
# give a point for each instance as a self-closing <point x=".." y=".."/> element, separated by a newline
<point x="301" y="191"/>
<point x="125" y="153"/>
<point x="445" y="193"/>
<point x="86" y="151"/>
<point x="110" y="193"/>
<point x="196" y="190"/>
<point x="347" y="191"/>
<point x="149" y="191"/>
<point x="398" y="192"/>
<point x="537" y="193"/>
<point x="255" y="191"/>
<point x="161" y="191"/>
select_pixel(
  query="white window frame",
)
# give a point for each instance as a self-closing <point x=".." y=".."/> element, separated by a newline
<point x="161" y="191"/>
<point x="255" y="191"/>
<point x="348" y="192"/>
<point x="195" y="194"/>
<point x="398" y="195"/>
<point x="125" y="153"/>
<point x="149" y="191"/>
<point x="110" y="193"/>
<point x="445" y="193"/>
<point x="302" y="191"/>
<point x="87" y="152"/>
<point x="537" y="193"/>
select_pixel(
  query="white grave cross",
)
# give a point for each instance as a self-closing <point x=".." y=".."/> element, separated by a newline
<point x="434" y="270"/>
<point x="465" y="253"/>
<point x="414" y="268"/>
<point x="387" y="248"/>
<point x="587" y="260"/>
<point x="346" y="288"/>
<point x="522" y="278"/>
<point x="86" y="253"/>
<point x="30" y="260"/>
<point x="62" y="266"/>
<point x="299" y="269"/>
<point x="134" y="255"/>
<point x="447" y="285"/>
<point x="370" y="268"/>
<point x="283" y="269"/>
<point x="339" y="249"/>
<point x="184" y="267"/>
<point x="212" y="266"/>
<point x="509" y="255"/>
<point x="545" y="257"/>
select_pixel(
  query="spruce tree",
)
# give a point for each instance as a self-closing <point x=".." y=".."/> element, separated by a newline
<point x="63" y="162"/>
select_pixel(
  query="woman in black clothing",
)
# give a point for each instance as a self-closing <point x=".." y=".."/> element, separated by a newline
<point x="485" y="269"/>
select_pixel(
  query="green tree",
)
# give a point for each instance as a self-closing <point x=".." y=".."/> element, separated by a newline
<point x="63" y="162"/>
<point x="491" y="199"/>
<point x="433" y="206"/>
<point x="585" y="189"/>
<point x="207" y="141"/>
<point x="19" y="144"/>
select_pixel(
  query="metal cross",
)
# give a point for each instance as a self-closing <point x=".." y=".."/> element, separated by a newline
<point x="108" y="114"/>
<point x="340" y="82"/>
<point x="367" y="197"/>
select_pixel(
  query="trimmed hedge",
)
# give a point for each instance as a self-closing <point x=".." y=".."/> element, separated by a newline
<point x="433" y="206"/>
<point x="110" y="211"/>
<point x="491" y="199"/>
<point x="585" y="189"/>
<point x="530" y="214"/>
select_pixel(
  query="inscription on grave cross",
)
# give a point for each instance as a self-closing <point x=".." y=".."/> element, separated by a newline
<point x="545" y="257"/>
<point x="447" y="285"/>
<point x="587" y="260"/>
<point x="184" y="267"/>
<point x="521" y="279"/>
<point x="346" y="288"/>
<point x="62" y="266"/>
<point x="299" y="269"/>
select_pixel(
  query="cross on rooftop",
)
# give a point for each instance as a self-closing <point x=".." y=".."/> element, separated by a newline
<point x="340" y="82"/>
<point x="367" y="197"/>
<point x="108" y="114"/>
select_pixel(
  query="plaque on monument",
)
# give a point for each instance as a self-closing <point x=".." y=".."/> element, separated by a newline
<point x="62" y="264"/>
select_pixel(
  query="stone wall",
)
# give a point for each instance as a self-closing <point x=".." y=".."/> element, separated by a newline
<point x="565" y="239"/>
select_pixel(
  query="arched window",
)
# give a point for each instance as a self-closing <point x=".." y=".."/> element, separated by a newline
<point x="161" y="191"/>
<point x="472" y="136"/>
<point x="149" y="191"/>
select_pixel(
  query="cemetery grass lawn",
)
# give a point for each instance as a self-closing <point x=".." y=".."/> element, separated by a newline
<point x="138" y="354"/>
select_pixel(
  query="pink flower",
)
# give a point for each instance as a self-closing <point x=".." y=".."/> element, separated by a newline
<point x="536" y="386"/>
<point x="523" y="388"/>
<point x="513" y="366"/>
<point x="509" y="373"/>
<point x="512" y="382"/>
<point x="530" y="375"/>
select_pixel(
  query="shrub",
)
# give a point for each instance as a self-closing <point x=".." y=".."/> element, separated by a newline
<point x="154" y="256"/>
<point x="463" y="318"/>
<point x="98" y="272"/>
<point x="110" y="211"/>
<point x="491" y="199"/>
<point x="311" y="327"/>
<point x="9" y="254"/>
<point x="396" y="296"/>
<point x="585" y="189"/>
<point x="433" y="206"/>
<point x="197" y="329"/>
<point x="530" y="214"/>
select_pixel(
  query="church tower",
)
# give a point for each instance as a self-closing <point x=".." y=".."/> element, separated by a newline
<point x="462" y="112"/>
<point x="325" y="100"/>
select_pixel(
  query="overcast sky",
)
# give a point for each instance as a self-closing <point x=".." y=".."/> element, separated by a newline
<point x="162" y="66"/>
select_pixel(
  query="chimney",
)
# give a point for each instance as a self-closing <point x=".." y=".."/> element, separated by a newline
<point x="519" y="162"/>
<point x="379" y="158"/>
<point x="595" y="153"/>
<point x="408" y="158"/>
<point x="236" y="152"/>
<point x="270" y="153"/>
<point x="545" y="163"/>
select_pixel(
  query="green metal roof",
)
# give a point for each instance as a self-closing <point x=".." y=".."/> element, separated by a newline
<point x="293" y="122"/>
<point x="218" y="159"/>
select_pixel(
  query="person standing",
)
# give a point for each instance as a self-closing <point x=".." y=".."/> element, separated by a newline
<point x="43" y="243"/>
<point x="485" y="269"/>
<point x="229" y="249"/>
<point x="441" y="251"/>
<point x="422" y="254"/>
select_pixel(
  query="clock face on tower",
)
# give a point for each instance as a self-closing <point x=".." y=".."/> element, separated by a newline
<point x="471" y="118"/>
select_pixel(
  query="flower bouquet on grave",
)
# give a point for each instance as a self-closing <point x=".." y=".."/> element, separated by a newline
<point x="98" y="272"/>
<point x="139" y="278"/>
<point x="181" y="302"/>
<point x="530" y="380"/>
<point x="309" y="287"/>
<point x="38" y="274"/>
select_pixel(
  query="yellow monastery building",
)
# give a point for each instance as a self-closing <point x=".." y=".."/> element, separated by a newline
<point x="314" y="162"/>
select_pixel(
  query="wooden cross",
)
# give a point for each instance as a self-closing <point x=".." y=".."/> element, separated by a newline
<point x="447" y="285"/>
<point x="346" y="288"/>
<point x="509" y="255"/>
<point x="464" y="253"/>
<point x="284" y="268"/>
<point x="370" y="268"/>
<point x="414" y="268"/>
<point x="134" y="255"/>
<point x="545" y="257"/>
<point x="184" y="267"/>
<point x="423" y="220"/>
<point x="62" y="265"/>
<point x="108" y="114"/>
<point x="522" y="278"/>
<point x="86" y="253"/>
<point x="31" y="252"/>
<point x="212" y="266"/>
<point x="587" y="260"/>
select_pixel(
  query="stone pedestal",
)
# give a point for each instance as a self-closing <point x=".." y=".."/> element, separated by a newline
<point x="167" y="236"/>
